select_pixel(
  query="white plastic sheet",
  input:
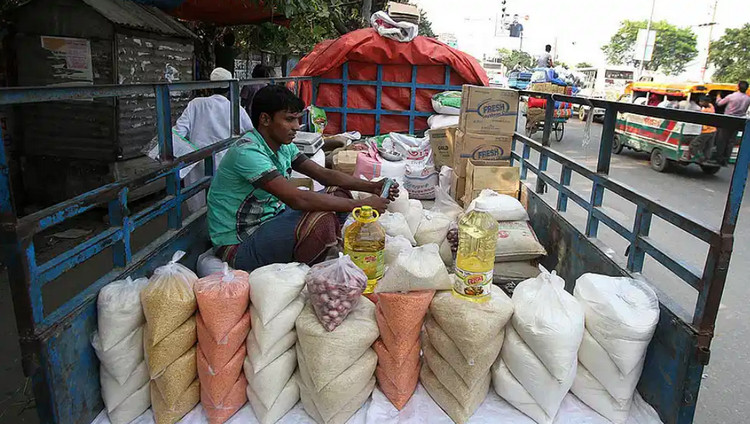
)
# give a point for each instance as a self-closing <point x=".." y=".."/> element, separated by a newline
<point x="421" y="409"/>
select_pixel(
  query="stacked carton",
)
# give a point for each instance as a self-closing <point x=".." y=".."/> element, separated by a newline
<point x="484" y="136"/>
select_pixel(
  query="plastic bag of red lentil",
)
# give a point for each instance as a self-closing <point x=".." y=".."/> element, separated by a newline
<point x="335" y="287"/>
<point x="222" y="300"/>
<point x="217" y="383"/>
<point x="217" y="354"/>
<point x="223" y="411"/>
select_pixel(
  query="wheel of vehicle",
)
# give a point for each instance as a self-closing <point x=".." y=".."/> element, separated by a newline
<point x="659" y="162"/>
<point x="559" y="129"/>
<point x="710" y="169"/>
<point x="582" y="113"/>
<point x="617" y="145"/>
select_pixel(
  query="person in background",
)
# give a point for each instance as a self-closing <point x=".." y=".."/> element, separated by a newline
<point x="735" y="104"/>
<point x="701" y="146"/>
<point x="669" y="102"/>
<point x="515" y="29"/>
<point x="545" y="59"/>
<point x="248" y="91"/>
<point x="205" y="121"/>
<point x="256" y="216"/>
<point x="225" y="52"/>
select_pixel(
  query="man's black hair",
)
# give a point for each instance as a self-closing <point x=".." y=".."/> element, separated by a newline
<point x="548" y="48"/>
<point x="742" y="86"/>
<point x="274" y="98"/>
<point x="705" y="98"/>
<point x="261" y="71"/>
<point x="228" y="39"/>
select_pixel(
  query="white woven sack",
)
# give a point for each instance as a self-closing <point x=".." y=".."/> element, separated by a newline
<point x="620" y="386"/>
<point x="395" y="224"/>
<point x="119" y="310"/>
<point x="273" y="287"/>
<point x="132" y="407"/>
<point x="550" y="322"/>
<point x="124" y="357"/>
<point x="546" y="390"/>
<point x="419" y="268"/>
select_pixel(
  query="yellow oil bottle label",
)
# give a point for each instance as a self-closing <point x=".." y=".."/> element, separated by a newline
<point x="475" y="285"/>
<point x="372" y="263"/>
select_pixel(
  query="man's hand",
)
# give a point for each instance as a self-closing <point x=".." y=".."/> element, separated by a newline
<point x="392" y="193"/>
<point x="376" y="202"/>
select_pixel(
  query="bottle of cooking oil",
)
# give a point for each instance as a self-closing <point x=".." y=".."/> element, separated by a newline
<point x="364" y="242"/>
<point x="475" y="259"/>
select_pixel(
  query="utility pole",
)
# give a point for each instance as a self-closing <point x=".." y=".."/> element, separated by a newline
<point x="648" y="31"/>
<point x="710" y="34"/>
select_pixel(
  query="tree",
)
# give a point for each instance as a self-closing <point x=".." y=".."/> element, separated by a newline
<point x="675" y="47"/>
<point x="515" y="57"/>
<point x="584" y="65"/>
<point x="731" y="56"/>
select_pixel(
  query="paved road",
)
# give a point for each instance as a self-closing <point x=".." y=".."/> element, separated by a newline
<point x="725" y="392"/>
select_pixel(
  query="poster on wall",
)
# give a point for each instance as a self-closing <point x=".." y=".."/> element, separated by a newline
<point x="70" y="58"/>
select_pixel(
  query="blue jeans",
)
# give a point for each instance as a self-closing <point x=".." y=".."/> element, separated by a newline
<point x="273" y="242"/>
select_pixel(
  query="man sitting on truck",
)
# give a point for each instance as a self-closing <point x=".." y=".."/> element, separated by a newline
<point x="256" y="217"/>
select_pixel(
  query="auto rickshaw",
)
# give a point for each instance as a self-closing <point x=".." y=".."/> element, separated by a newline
<point x="667" y="141"/>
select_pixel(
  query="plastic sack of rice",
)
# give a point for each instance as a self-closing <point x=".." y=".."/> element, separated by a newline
<point x="461" y="342"/>
<point x="395" y="224"/>
<point x="447" y="102"/>
<point x="335" y="288"/>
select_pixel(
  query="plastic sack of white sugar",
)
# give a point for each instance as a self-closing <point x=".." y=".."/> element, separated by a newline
<point x="286" y="400"/>
<point x="401" y="203"/>
<point x="124" y="357"/>
<point x="420" y="268"/>
<point x="269" y="382"/>
<point x="444" y="204"/>
<point x="273" y="287"/>
<point x="268" y="335"/>
<point x="502" y="207"/>
<point x="508" y="388"/>
<point x="546" y="390"/>
<point x="208" y="264"/>
<point x="550" y="321"/>
<point x="395" y="224"/>
<point x="114" y="393"/>
<point x="394" y="246"/>
<point x="414" y="216"/>
<point x="132" y="407"/>
<point x="591" y="391"/>
<point x="621" y="315"/>
<point x="433" y="228"/>
<point x="119" y="310"/>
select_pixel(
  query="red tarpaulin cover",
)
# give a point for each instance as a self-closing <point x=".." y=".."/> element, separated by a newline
<point x="364" y="49"/>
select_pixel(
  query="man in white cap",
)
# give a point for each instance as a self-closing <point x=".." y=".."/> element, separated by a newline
<point x="205" y="121"/>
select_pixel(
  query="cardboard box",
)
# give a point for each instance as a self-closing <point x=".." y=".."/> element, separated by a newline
<point x="502" y="179"/>
<point x="457" y="188"/>
<point x="442" y="145"/>
<point x="481" y="149"/>
<point x="486" y="110"/>
<point x="345" y="160"/>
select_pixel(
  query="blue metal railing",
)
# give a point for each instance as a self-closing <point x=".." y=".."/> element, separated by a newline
<point x="379" y="83"/>
<point x="26" y="275"/>
<point x="709" y="281"/>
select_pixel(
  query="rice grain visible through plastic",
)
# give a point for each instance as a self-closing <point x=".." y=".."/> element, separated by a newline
<point x="165" y="352"/>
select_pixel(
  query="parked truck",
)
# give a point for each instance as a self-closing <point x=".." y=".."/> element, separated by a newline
<point x="54" y="296"/>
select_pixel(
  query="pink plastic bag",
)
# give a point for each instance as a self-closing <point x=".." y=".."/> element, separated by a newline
<point x="369" y="164"/>
<point x="335" y="287"/>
